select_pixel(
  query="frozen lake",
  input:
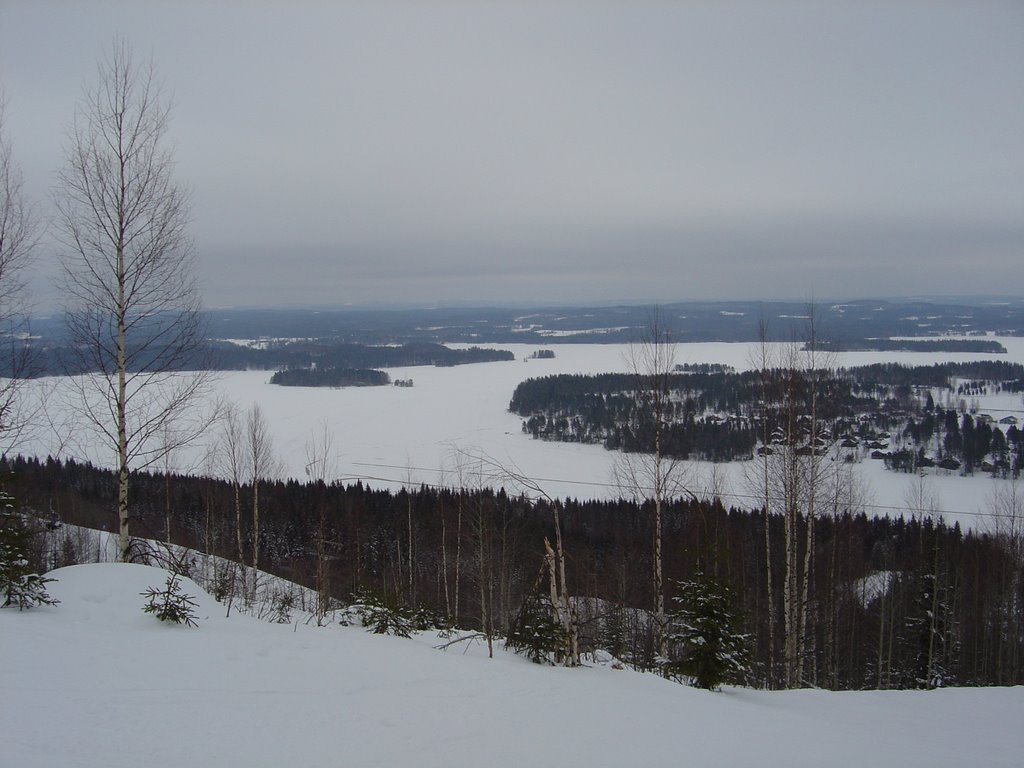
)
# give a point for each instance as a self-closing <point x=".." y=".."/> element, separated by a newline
<point x="388" y="436"/>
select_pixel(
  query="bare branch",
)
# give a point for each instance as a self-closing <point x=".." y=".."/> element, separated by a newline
<point x="128" y="273"/>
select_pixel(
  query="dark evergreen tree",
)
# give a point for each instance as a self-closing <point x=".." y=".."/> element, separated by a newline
<point x="536" y="632"/>
<point x="614" y="636"/>
<point x="20" y="584"/>
<point x="382" y="615"/>
<point x="706" y="641"/>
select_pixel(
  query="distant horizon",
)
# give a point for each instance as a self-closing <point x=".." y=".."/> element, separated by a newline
<point x="969" y="299"/>
<point x="965" y="299"/>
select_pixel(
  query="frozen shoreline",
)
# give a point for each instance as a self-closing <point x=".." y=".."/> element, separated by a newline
<point x="387" y="436"/>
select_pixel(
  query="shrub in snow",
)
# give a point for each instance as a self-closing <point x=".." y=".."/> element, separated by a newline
<point x="281" y="606"/>
<point x="384" y="616"/>
<point x="381" y="615"/>
<point x="19" y="582"/>
<point x="536" y="633"/>
<point x="171" y="603"/>
<point x="705" y="640"/>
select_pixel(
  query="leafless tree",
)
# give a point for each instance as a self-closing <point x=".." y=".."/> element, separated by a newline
<point x="923" y="505"/>
<point x="322" y="469"/>
<point x="132" y="302"/>
<point x="409" y="486"/>
<point x="460" y="472"/>
<point x="18" y="232"/>
<point x="480" y="514"/>
<point x="263" y="465"/>
<point x="244" y="455"/>
<point x="229" y="461"/>
<point x="1006" y="506"/>
<point x="658" y="475"/>
<point x="759" y="473"/>
<point x="795" y="476"/>
<point x="561" y="603"/>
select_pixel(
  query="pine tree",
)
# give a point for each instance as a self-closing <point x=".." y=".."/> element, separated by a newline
<point x="705" y="639"/>
<point x="19" y="583"/>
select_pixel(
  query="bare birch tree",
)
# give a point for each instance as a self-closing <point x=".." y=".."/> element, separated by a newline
<point x="562" y="610"/>
<point x="758" y="474"/>
<point x="229" y="461"/>
<point x="245" y="456"/>
<point x="1006" y="506"/>
<point x="132" y="301"/>
<point x="17" y="239"/>
<point x="322" y="469"/>
<point x="923" y="505"/>
<point x="656" y="475"/>
<point x="263" y="465"/>
<point x="794" y="477"/>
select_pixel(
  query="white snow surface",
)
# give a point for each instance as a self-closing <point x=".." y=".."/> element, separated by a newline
<point x="94" y="681"/>
<point x="389" y="435"/>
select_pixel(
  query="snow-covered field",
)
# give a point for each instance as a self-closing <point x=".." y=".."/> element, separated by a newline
<point x="94" y="681"/>
<point x="391" y="435"/>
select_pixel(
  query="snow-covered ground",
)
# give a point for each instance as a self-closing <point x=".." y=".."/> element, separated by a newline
<point x="94" y="681"/>
<point x="391" y="435"/>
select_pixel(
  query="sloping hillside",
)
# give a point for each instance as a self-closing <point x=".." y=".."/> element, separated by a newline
<point x="94" y="681"/>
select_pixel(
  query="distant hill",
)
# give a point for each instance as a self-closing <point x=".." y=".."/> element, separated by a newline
<point x="274" y="338"/>
<point x="850" y="323"/>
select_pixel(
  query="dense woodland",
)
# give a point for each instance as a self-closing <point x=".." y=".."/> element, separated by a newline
<point x="986" y="346"/>
<point x="911" y="417"/>
<point x="893" y="603"/>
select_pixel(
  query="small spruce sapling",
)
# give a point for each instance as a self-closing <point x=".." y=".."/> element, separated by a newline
<point x="20" y="585"/>
<point x="705" y="639"/>
<point x="384" y="616"/>
<point x="380" y="615"/>
<point x="536" y="634"/>
<point x="171" y="603"/>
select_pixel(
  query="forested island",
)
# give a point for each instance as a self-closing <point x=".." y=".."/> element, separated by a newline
<point x="356" y="365"/>
<point x="331" y="354"/>
<point x="330" y="377"/>
<point x="984" y="346"/>
<point x="909" y="416"/>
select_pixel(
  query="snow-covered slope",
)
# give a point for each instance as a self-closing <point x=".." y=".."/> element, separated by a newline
<point x="96" y="682"/>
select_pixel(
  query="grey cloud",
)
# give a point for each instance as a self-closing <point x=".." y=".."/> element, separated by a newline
<point x="455" y="150"/>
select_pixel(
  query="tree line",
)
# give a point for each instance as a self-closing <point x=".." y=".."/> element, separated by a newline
<point x="894" y="603"/>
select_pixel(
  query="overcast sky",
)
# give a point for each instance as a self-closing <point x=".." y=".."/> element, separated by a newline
<point x="436" y="152"/>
